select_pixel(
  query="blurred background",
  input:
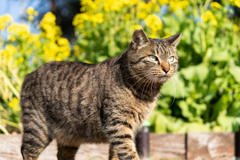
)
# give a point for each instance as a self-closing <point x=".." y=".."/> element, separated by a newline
<point x="204" y="94"/>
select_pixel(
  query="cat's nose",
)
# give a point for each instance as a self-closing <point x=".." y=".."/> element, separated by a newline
<point x="166" y="70"/>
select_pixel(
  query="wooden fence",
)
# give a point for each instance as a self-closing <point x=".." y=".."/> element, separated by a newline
<point x="190" y="146"/>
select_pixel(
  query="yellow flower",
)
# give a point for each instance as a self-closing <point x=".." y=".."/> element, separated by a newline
<point x="63" y="41"/>
<point x="49" y="18"/>
<point x="214" y="21"/>
<point x="14" y="104"/>
<point x="163" y="2"/>
<point x="216" y="5"/>
<point x="5" y="21"/>
<point x="144" y="10"/>
<point x="99" y="17"/>
<point x="135" y="2"/>
<point x="208" y="16"/>
<point x="20" y="60"/>
<point x="10" y="49"/>
<point x="127" y="17"/>
<point x="124" y="39"/>
<point x="30" y="10"/>
<point x="204" y="18"/>
<point x="141" y="15"/>
<point x="30" y="17"/>
<point x="58" y="58"/>
<point x="2" y="52"/>
<point x="34" y="38"/>
<point x="235" y="27"/>
<point x="154" y="22"/>
<point x="11" y="38"/>
<point x="137" y="27"/>
<point x="19" y="29"/>
<point x="178" y="5"/>
<point x="237" y="3"/>
<point x="89" y="5"/>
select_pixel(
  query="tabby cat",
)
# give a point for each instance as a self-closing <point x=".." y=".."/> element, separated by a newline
<point x="78" y="103"/>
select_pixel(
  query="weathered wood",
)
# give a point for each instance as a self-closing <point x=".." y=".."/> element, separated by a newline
<point x="205" y="146"/>
<point x="161" y="145"/>
<point x="167" y="146"/>
<point x="10" y="150"/>
<point x="210" y="146"/>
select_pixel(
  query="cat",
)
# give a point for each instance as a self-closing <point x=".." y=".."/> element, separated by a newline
<point x="78" y="103"/>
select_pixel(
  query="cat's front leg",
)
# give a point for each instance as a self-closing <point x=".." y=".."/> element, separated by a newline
<point x="121" y="138"/>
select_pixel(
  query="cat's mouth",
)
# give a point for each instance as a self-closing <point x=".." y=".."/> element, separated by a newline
<point x="165" y="76"/>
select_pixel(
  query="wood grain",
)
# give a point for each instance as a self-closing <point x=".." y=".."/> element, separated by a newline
<point x="170" y="146"/>
<point x="200" y="146"/>
<point x="210" y="146"/>
<point x="10" y="150"/>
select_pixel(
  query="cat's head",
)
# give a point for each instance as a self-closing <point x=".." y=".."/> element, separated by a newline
<point x="154" y="59"/>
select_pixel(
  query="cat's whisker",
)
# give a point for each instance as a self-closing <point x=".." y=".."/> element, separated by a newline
<point x="153" y="82"/>
<point x="174" y="94"/>
<point x="179" y="85"/>
<point x="182" y="77"/>
<point x="139" y="80"/>
<point x="152" y="85"/>
<point x="143" y="82"/>
<point x="149" y="79"/>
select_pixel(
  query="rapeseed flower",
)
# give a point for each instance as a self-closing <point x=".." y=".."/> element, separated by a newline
<point x="5" y="21"/>
<point x="19" y="29"/>
<point x="63" y="41"/>
<point x="49" y="18"/>
<point x="154" y="22"/>
<point x="11" y="38"/>
<point x="235" y="27"/>
<point x="237" y="3"/>
<point x="10" y="49"/>
<point x="32" y="11"/>
<point x="137" y="27"/>
<point x="14" y="104"/>
<point x="208" y="16"/>
<point x="216" y="5"/>
<point x="174" y="5"/>
<point x="163" y="2"/>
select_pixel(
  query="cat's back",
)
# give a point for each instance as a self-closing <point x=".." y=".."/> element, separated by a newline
<point x="52" y="73"/>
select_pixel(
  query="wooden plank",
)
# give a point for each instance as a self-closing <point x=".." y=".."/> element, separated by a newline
<point x="210" y="146"/>
<point x="162" y="146"/>
<point x="10" y="150"/>
<point x="167" y="146"/>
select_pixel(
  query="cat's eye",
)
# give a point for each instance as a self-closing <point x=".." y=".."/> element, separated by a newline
<point x="153" y="58"/>
<point x="171" y="59"/>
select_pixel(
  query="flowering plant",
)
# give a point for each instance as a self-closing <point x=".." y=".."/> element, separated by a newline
<point x="209" y="54"/>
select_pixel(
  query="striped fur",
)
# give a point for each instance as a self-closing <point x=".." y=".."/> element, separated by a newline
<point x="78" y="103"/>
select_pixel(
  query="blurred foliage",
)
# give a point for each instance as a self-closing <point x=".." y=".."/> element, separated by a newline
<point x="203" y="96"/>
<point x="21" y="53"/>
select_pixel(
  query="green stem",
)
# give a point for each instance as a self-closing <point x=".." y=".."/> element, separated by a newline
<point x="10" y="84"/>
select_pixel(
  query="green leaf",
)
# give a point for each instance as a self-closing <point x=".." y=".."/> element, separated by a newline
<point x="199" y="72"/>
<point x="193" y="127"/>
<point x="220" y="54"/>
<point x="185" y="109"/>
<point x="161" y="123"/>
<point x="226" y="122"/>
<point x="234" y="110"/>
<point x="235" y="72"/>
<point x="174" y="88"/>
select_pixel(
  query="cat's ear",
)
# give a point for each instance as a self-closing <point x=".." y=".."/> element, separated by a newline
<point x="139" y="39"/>
<point x="174" y="40"/>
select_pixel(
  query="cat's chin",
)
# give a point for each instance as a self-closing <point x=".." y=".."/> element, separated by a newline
<point x="163" y="79"/>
